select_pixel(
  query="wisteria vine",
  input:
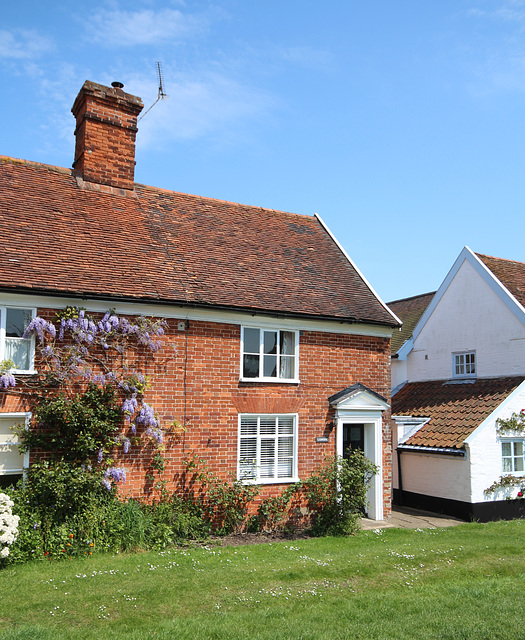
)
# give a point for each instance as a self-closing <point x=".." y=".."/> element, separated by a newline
<point x="108" y="352"/>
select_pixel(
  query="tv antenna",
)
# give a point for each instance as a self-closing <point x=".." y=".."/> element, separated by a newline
<point x="161" y="95"/>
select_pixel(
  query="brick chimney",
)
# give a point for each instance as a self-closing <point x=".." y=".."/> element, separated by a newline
<point x="105" y="135"/>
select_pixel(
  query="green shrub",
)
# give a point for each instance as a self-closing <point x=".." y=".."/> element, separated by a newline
<point x="336" y="493"/>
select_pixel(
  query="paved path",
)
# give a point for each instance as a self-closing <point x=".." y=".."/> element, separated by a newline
<point x="408" y="518"/>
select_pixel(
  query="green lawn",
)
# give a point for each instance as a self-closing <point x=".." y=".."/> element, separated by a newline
<point x="464" y="582"/>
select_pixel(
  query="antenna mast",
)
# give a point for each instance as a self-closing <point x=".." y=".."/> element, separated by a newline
<point x="161" y="94"/>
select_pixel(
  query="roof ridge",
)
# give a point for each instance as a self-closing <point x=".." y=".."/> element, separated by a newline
<point x="419" y="295"/>
<point x="31" y="163"/>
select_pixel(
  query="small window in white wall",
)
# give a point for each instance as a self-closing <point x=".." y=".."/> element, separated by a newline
<point x="464" y="365"/>
<point x="512" y="456"/>
<point x="267" y="450"/>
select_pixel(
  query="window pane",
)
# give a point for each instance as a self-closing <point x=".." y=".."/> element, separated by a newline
<point x="287" y="367"/>
<point x="248" y="458"/>
<point x="10" y="458"/>
<point x="267" y="458"/>
<point x="249" y="426"/>
<point x="268" y="426"/>
<point x="252" y="340"/>
<point x="18" y="350"/>
<point x="518" y="448"/>
<point x="518" y="464"/>
<point x="285" y="425"/>
<point x="250" y="368"/>
<point x="16" y="322"/>
<point x="506" y="449"/>
<point x="507" y="464"/>
<point x="270" y="366"/>
<point x="270" y="342"/>
<point x="287" y="343"/>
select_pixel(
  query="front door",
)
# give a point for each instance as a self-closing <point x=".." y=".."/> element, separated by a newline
<point x="353" y="438"/>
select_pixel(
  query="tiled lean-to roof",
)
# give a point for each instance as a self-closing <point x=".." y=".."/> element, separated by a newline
<point x="409" y="311"/>
<point x="455" y="410"/>
<point x="509" y="272"/>
<point x="162" y="246"/>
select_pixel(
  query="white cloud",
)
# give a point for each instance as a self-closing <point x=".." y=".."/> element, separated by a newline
<point x="211" y="104"/>
<point x="23" y="44"/>
<point x="130" y="28"/>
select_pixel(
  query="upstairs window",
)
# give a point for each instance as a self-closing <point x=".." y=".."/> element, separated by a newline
<point x="269" y="354"/>
<point x="13" y="346"/>
<point x="464" y="365"/>
<point x="267" y="450"/>
<point x="512" y="456"/>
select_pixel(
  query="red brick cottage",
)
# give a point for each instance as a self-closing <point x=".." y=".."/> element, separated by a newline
<point x="269" y="321"/>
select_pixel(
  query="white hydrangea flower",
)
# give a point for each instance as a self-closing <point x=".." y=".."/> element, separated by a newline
<point x="8" y="524"/>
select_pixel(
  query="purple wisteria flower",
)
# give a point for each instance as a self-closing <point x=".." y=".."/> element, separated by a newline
<point x="117" y="474"/>
<point x="146" y="416"/>
<point x="106" y="483"/>
<point x="7" y="380"/>
<point x="39" y="326"/>
<point x="100" y="455"/>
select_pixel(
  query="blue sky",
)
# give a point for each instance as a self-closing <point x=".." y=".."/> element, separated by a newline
<point x="400" y="122"/>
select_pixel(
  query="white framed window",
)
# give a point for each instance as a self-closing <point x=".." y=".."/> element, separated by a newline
<point x="464" y="364"/>
<point x="512" y="456"/>
<point x="269" y="355"/>
<point x="12" y="462"/>
<point x="267" y="450"/>
<point x="13" y="323"/>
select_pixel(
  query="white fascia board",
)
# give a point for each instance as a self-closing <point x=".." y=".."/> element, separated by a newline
<point x="167" y="311"/>
<point x="334" y="239"/>
<point x="490" y="419"/>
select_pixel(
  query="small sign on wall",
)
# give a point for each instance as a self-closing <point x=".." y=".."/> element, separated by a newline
<point x="322" y="439"/>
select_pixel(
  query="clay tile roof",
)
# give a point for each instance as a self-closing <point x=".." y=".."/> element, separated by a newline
<point x="455" y="410"/>
<point x="153" y="244"/>
<point x="509" y="272"/>
<point x="409" y="311"/>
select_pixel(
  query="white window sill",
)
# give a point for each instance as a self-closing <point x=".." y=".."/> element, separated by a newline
<point x="271" y="481"/>
<point x="272" y="380"/>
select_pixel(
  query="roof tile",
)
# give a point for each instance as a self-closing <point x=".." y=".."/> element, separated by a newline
<point x="172" y="247"/>
<point x="455" y="410"/>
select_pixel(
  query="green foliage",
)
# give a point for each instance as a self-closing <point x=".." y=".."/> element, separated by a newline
<point x="273" y="511"/>
<point x="74" y="428"/>
<point x="336" y="493"/>
<point x="225" y="503"/>
<point x="514" y="424"/>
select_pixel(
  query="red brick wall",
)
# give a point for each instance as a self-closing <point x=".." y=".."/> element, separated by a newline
<point x="195" y="382"/>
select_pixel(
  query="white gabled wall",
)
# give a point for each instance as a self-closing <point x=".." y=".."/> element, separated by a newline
<point x="469" y="316"/>
<point x="485" y="448"/>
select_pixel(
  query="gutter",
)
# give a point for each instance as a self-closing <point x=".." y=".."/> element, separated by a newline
<point x="83" y="295"/>
<point x="447" y="451"/>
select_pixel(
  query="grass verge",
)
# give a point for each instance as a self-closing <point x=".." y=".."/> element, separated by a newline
<point x="465" y="582"/>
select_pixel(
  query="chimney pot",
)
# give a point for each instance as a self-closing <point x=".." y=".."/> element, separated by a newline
<point x="117" y="85"/>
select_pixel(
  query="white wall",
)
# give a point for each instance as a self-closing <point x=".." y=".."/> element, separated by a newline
<point x="470" y="316"/>
<point x="436" y="475"/>
<point x="485" y="449"/>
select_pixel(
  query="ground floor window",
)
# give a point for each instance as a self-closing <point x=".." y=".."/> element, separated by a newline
<point x="267" y="450"/>
<point x="12" y="462"/>
<point x="512" y="456"/>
